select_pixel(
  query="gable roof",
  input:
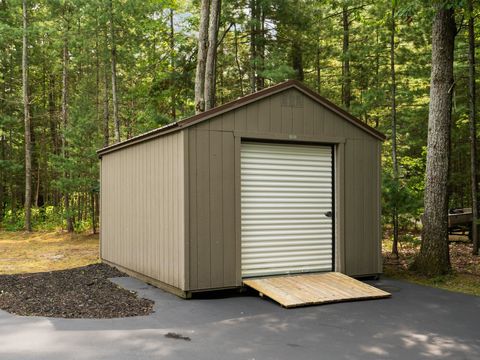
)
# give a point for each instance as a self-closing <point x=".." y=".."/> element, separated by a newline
<point x="204" y="116"/>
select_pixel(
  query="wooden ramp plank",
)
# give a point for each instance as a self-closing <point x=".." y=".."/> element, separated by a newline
<point x="314" y="289"/>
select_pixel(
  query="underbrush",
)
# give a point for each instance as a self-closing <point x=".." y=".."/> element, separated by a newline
<point x="465" y="275"/>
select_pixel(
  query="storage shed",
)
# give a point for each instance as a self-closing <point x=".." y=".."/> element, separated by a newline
<point x="281" y="181"/>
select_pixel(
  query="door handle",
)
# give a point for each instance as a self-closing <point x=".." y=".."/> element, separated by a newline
<point x="328" y="214"/>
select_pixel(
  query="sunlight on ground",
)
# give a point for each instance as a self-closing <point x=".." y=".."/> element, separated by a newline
<point x="22" y="252"/>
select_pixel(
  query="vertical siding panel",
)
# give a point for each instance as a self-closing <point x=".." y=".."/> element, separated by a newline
<point x="298" y="122"/>
<point x="173" y="208"/>
<point x="216" y="123"/>
<point x="228" y="121"/>
<point x="154" y="209"/>
<point x="252" y="117"/>
<point x="193" y="231"/>
<point x="276" y="114"/>
<point x="339" y="126"/>
<point x="367" y="208"/>
<point x="287" y="120"/>
<point x="318" y="121"/>
<point x="357" y="206"/>
<point x="142" y="174"/>
<point x="264" y="116"/>
<point x="350" y="243"/>
<point x="182" y="215"/>
<point x="361" y="173"/>
<point x="148" y="243"/>
<point x="240" y="119"/>
<point x="161" y="208"/>
<point x="216" y="209"/>
<point x="170" y="209"/>
<point x="329" y="120"/>
<point x="203" y="208"/>
<point x="378" y="223"/>
<point x="308" y="117"/>
<point x="228" y="218"/>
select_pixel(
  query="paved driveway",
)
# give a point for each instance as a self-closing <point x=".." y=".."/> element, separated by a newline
<point x="417" y="323"/>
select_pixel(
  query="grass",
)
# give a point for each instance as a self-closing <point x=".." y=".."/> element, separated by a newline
<point x="22" y="252"/>
<point x="465" y="276"/>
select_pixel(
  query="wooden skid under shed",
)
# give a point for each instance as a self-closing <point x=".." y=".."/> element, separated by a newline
<point x="313" y="289"/>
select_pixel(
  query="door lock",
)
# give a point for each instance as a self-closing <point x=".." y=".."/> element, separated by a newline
<point x="328" y="214"/>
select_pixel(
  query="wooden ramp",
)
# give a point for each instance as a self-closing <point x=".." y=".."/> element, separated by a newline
<point x="314" y="289"/>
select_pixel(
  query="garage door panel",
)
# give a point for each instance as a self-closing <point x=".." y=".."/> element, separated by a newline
<point x="286" y="191"/>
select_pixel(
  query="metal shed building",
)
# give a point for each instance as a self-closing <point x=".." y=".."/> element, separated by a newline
<point x="280" y="181"/>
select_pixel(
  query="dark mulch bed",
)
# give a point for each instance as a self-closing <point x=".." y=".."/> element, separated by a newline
<point x="83" y="292"/>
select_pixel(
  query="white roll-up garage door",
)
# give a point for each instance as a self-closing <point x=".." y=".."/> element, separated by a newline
<point x="287" y="224"/>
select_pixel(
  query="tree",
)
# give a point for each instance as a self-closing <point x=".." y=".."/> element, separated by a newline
<point x="28" y="136"/>
<point x="394" y="128"/>
<point x="207" y="55"/>
<point x="116" y="119"/>
<point x="202" y="56"/>
<point x="434" y="258"/>
<point x="346" y="81"/>
<point x="473" y="126"/>
<point x="211" y="59"/>
<point x="65" y="59"/>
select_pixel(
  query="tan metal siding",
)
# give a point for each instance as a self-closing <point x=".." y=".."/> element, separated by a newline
<point x="214" y="259"/>
<point x="362" y="210"/>
<point x="143" y="209"/>
<point x="211" y="209"/>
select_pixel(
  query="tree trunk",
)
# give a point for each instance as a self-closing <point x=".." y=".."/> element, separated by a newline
<point x="317" y="68"/>
<point x="253" y="47"/>
<point x="106" y="105"/>
<point x="473" y="125"/>
<point x="116" y="120"/>
<point x="297" y="61"/>
<point x="172" y="67"/>
<point x="28" y="135"/>
<point x="237" y="62"/>
<point x="434" y="256"/>
<point x="346" y="79"/>
<point x="65" y="59"/>
<point x="97" y="71"/>
<point x="260" y="44"/>
<point x="209" y="89"/>
<point x="3" y="140"/>
<point x="394" y="133"/>
<point x="202" y="57"/>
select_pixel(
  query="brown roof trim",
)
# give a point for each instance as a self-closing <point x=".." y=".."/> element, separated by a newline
<point x="176" y="126"/>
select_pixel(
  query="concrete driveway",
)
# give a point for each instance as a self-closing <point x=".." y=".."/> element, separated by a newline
<point x="417" y="323"/>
